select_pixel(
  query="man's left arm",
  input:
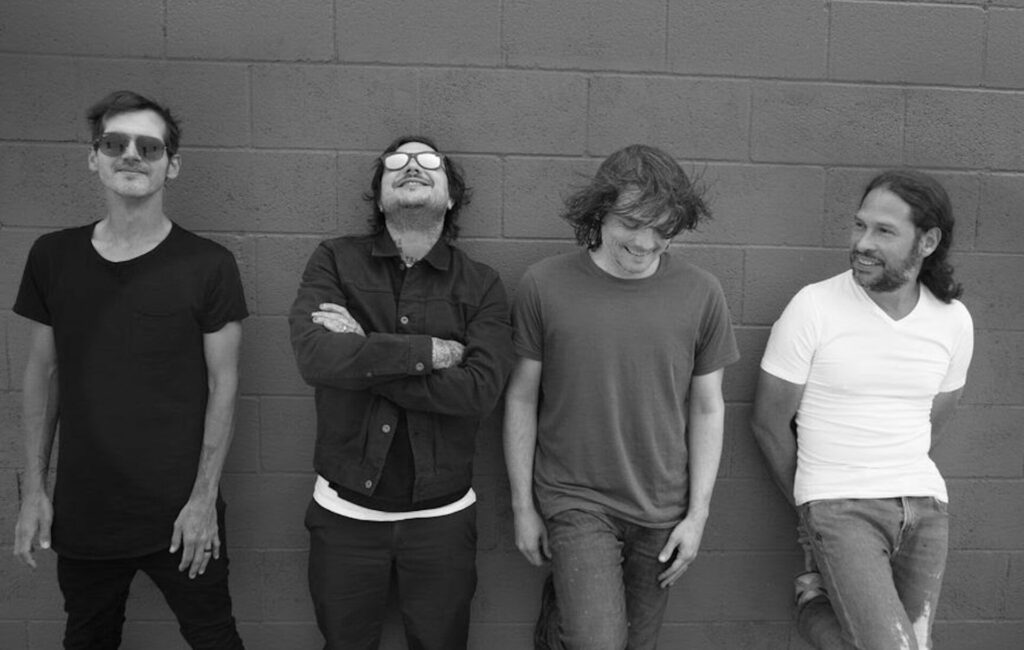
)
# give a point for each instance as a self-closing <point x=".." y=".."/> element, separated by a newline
<point x="195" y="529"/>
<point x="472" y="387"/>
<point x="705" y="426"/>
<point x="943" y="407"/>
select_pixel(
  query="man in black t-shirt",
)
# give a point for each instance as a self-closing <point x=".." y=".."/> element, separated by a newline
<point x="136" y="325"/>
<point x="408" y="344"/>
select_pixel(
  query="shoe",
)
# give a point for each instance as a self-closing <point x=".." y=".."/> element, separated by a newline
<point x="808" y="586"/>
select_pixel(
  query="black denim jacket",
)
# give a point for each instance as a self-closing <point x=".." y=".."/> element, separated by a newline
<point x="363" y="384"/>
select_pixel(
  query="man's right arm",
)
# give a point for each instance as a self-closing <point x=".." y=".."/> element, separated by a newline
<point x="353" y="360"/>
<point x="39" y="415"/>
<point x="520" y="441"/>
<point x="775" y="405"/>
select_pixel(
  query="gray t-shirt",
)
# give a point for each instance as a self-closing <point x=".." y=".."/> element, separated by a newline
<point x="617" y="359"/>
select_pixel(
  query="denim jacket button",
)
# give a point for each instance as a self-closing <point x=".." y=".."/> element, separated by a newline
<point x="368" y="485"/>
<point x="419" y="367"/>
<point x="386" y="428"/>
<point x="404" y="320"/>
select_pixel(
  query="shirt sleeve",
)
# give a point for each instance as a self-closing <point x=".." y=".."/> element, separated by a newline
<point x="526" y="318"/>
<point x="225" y="297"/>
<point x="963" y="350"/>
<point x="472" y="388"/>
<point x="347" y="361"/>
<point x="717" y="345"/>
<point x="31" y="299"/>
<point x="793" y="340"/>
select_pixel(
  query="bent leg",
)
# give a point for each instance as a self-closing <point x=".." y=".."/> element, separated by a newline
<point x="853" y="542"/>
<point x="436" y="565"/>
<point x="586" y="561"/>
<point x="349" y="575"/>
<point x="95" y="593"/>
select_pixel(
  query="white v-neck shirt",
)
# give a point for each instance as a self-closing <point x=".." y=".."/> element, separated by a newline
<point x="864" y="427"/>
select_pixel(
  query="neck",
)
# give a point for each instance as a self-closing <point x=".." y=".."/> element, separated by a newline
<point x="898" y="303"/>
<point x="414" y="235"/>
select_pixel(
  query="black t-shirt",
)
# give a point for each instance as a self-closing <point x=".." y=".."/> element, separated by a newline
<point x="132" y="380"/>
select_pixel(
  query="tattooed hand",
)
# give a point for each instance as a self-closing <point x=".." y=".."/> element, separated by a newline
<point x="446" y="354"/>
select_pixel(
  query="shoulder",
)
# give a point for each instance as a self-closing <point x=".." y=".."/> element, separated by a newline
<point x="64" y="237"/>
<point x="556" y="265"/>
<point x="679" y="270"/>
<point x="461" y="260"/>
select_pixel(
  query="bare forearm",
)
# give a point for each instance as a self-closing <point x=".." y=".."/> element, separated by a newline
<point x="217" y="433"/>
<point x="39" y="416"/>
<point x="778" y="445"/>
<point x="705" y="443"/>
<point x="520" y="440"/>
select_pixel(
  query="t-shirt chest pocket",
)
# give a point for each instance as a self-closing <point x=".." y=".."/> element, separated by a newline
<point x="161" y="332"/>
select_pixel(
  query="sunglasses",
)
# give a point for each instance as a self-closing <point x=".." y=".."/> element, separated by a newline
<point x="398" y="159"/>
<point x="115" y="144"/>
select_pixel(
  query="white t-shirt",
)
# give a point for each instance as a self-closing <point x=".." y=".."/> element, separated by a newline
<point x="864" y="427"/>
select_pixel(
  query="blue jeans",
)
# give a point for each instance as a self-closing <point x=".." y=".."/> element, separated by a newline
<point x="882" y="562"/>
<point x="351" y="563"/>
<point x="606" y="580"/>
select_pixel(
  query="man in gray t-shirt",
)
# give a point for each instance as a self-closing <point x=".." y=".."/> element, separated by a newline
<point x="614" y="414"/>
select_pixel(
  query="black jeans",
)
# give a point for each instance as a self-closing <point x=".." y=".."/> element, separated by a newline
<point x="350" y="567"/>
<point x="95" y="593"/>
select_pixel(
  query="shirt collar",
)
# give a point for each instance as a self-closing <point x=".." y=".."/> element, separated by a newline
<point x="439" y="256"/>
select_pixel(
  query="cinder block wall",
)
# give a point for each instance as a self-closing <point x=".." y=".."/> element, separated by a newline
<point x="785" y="106"/>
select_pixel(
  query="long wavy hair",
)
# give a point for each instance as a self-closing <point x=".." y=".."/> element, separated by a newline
<point x="458" y="191"/>
<point x="651" y="185"/>
<point x="930" y="207"/>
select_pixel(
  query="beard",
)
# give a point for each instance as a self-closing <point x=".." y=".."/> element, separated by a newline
<point x="893" y="276"/>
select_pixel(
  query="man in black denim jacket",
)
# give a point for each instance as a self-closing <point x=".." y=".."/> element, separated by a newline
<point x="408" y="344"/>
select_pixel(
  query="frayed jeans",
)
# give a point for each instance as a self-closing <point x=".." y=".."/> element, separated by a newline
<point x="882" y="562"/>
<point x="606" y="580"/>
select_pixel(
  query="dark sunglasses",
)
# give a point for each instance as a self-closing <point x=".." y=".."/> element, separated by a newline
<point x="115" y="144"/>
<point x="398" y="159"/>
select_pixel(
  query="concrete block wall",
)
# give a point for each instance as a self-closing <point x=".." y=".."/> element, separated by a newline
<point x="785" y="107"/>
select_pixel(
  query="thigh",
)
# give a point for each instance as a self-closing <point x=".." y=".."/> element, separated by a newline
<point x="349" y="574"/>
<point x="920" y="562"/>
<point x="202" y="604"/>
<point x="95" y="592"/>
<point x="853" y="541"/>
<point x="587" y="565"/>
<point x="645" y="599"/>
<point x="435" y="560"/>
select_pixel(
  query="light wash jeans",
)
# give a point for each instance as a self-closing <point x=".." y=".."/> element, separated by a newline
<point x="882" y="562"/>
<point x="606" y="581"/>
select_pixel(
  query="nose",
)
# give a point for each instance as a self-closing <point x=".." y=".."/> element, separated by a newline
<point x="130" y="151"/>
<point x="646" y="238"/>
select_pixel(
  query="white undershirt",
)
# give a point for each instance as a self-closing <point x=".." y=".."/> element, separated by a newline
<point x="325" y="495"/>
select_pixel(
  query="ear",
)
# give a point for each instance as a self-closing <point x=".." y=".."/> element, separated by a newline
<point x="93" y="165"/>
<point x="929" y="241"/>
<point x="173" y="166"/>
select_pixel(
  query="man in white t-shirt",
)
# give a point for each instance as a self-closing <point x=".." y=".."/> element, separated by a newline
<point x="860" y="373"/>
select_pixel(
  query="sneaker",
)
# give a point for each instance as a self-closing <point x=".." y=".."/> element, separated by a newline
<point x="807" y="587"/>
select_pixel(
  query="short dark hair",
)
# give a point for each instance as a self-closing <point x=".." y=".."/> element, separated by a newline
<point x="458" y="191"/>
<point x="658" y="185"/>
<point x="126" y="101"/>
<point x="930" y="207"/>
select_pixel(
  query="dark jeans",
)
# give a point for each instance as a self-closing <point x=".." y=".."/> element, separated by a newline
<point x="606" y="580"/>
<point x="95" y="593"/>
<point x="350" y="568"/>
<point x="882" y="561"/>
